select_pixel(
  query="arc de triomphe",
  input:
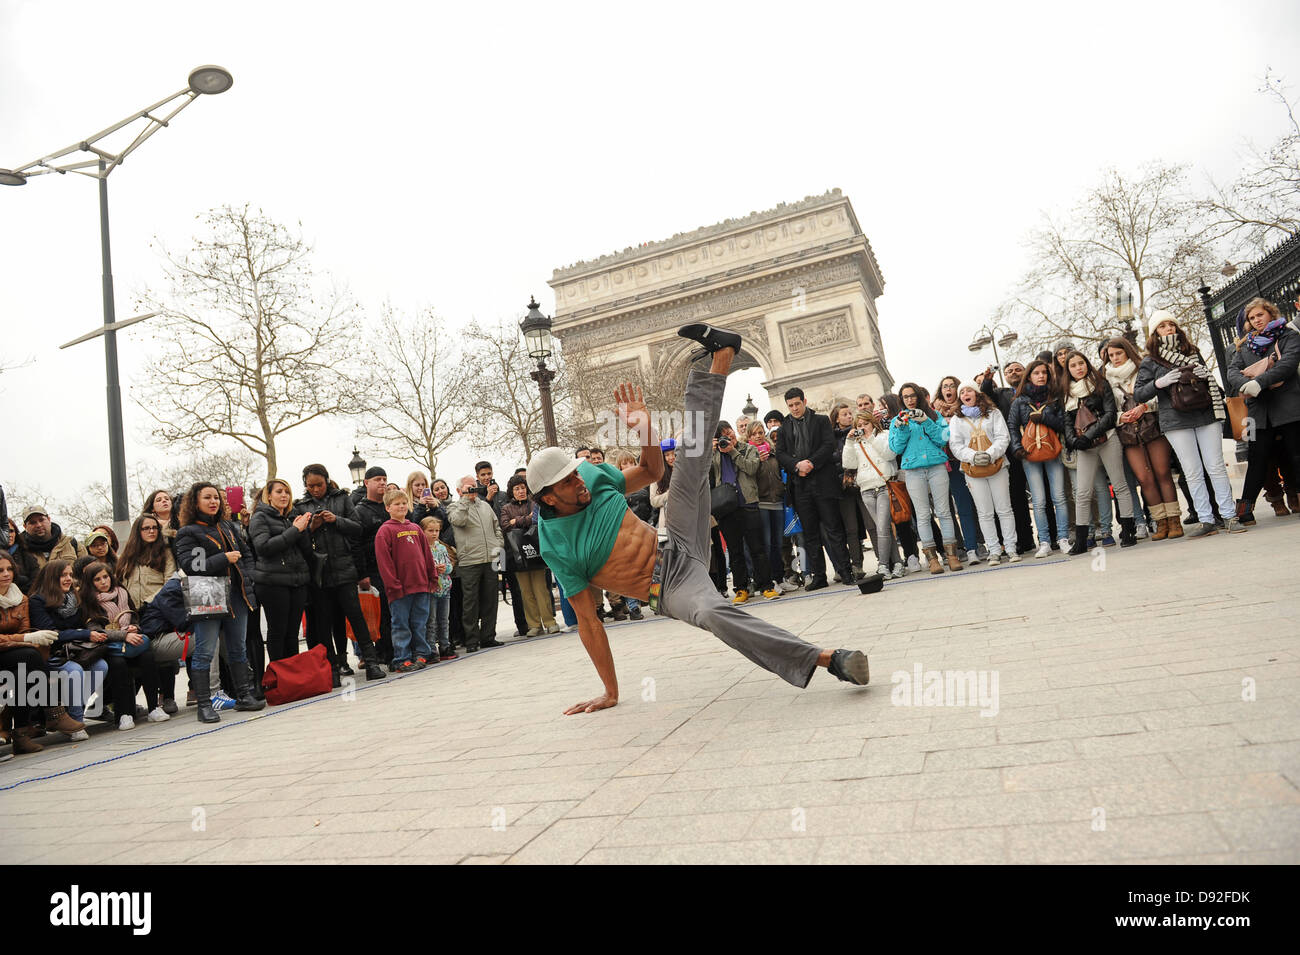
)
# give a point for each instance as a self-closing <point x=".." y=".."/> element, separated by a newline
<point x="799" y="282"/>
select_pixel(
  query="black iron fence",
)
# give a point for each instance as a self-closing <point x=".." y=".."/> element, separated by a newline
<point x="1275" y="277"/>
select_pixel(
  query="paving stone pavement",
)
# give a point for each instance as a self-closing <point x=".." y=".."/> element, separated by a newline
<point x="1146" y="710"/>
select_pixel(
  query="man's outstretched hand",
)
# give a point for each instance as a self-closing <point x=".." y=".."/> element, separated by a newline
<point x="633" y="413"/>
<point x="602" y="702"/>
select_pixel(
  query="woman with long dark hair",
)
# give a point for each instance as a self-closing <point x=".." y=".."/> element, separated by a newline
<point x="143" y="568"/>
<point x="919" y="436"/>
<point x="159" y="505"/>
<point x="210" y="544"/>
<point x="54" y="606"/>
<point x="1191" y="412"/>
<point x="1089" y="395"/>
<point x="1263" y="371"/>
<point x="1037" y="403"/>
<point x="105" y="604"/>
<point x="1146" y="449"/>
<point x="332" y="599"/>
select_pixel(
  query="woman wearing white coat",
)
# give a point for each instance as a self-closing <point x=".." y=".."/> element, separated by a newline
<point x="979" y="438"/>
<point x="867" y="450"/>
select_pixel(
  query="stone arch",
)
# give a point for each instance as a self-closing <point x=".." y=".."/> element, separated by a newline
<point x="799" y="282"/>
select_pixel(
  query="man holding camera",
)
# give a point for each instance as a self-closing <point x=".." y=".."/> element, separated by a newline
<point x="478" y="539"/>
<point x="807" y="453"/>
<point x="736" y="463"/>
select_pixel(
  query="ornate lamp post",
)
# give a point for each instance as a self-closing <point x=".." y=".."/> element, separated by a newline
<point x="750" y="408"/>
<point x="984" y="336"/>
<point x="204" y="80"/>
<point x="537" y="336"/>
<point x="357" y="468"/>
<point x="1124" y="314"/>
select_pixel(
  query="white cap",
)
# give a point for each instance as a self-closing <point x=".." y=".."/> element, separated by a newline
<point x="550" y="466"/>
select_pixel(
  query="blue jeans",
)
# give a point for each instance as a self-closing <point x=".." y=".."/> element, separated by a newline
<point x="1040" y="475"/>
<point x="570" y="618"/>
<point x="410" y="616"/>
<point x="232" y="629"/>
<point x="965" y="506"/>
<point x="81" y="682"/>
<point x="922" y="485"/>
<point x="439" y="615"/>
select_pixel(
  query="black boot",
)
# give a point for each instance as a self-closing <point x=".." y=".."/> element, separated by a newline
<point x="1080" y="540"/>
<point x="1128" y="532"/>
<point x="202" y="682"/>
<point x="245" y="701"/>
<point x="370" y="660"/>
<point x="713" y="339"/>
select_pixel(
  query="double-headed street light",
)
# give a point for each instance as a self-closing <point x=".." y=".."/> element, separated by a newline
<point x="537" y="336"/>
<point x="984" y="336"/>
<point x="203" y="80"/>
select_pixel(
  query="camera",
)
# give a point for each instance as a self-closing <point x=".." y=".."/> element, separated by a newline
<point x="481" y="490"/>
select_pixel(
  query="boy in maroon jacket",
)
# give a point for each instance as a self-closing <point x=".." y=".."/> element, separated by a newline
<point x="410" y="575"/>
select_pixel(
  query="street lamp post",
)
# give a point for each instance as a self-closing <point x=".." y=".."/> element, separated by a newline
<point x="204" y="80"/>
<point x="985" y="335"/>
<point x="537" y="336"/>
<point x="357" y="468"/>
<point x="1124" y="314"/>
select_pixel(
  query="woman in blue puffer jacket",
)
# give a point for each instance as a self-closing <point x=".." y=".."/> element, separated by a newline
<point x="920" y="439"/>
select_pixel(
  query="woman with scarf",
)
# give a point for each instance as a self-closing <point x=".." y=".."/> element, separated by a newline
<point x="919" y="436"/>
<point x="1175" y="371"/>
<point x="979" y="439"/>
<point x="54" y="606"/>
<point x="867" y="453"/>
<point x="1037" y="401"/>
<point x="144" y="566"/>
<point x="1263" y="371"/>
<point x="1146" y="449"/>
<point x="948" y="405"/>
<point x="210" y="544"/>
<point x="1090" y="417"/>
<point x="105" y="605"/>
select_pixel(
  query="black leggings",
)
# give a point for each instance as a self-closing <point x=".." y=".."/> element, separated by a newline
<point x="329" y="610"/>
<point x="22" y="660"/>
<point x="1262" y="457"/>
<point x="283" y="607"/>
<point x="122" y="677"/>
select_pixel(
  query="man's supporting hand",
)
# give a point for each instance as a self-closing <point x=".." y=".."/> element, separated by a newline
<point x="594" y="638"/>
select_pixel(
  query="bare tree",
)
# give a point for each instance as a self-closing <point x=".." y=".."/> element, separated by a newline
<point x="591" y="380"/>
<point x="1262" y="206"/>
<point x="507" y="408"/>
<point x="1145" y="232"/>
<point x="250" y="353"/>
<point x="423" y="390"/>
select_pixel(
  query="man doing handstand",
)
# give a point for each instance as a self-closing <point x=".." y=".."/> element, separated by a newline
<point x="592" y="542"/>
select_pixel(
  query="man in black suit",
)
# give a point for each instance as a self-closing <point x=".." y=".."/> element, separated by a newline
<point x="806" y="449"/>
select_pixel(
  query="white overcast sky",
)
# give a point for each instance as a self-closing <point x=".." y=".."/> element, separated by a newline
<point x="453" y="155"/>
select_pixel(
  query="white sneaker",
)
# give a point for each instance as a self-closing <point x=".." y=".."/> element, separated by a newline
<point x="898" y="571"/>
<point x="1014" y="556"/>
<point x="156" y="715"/>
<point x="913" y="565"/>
<point x="972" y="557"/>
<point x="994" y="560"/>
<point x="126" y="723"/>
<point x="787" y="586"/>
<point x="1141" y="530"/>
<point x="79" y="736"/>
<point x="1044" y="550"/>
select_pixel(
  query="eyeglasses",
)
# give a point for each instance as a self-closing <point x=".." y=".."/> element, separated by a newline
<point x="149" y="530"/>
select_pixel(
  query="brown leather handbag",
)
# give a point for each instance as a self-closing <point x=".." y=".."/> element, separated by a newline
<point x="900" y="503"/>
<point x="1040" y="441"/>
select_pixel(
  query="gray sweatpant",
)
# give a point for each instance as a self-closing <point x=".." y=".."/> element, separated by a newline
<point x="686" y="591"/>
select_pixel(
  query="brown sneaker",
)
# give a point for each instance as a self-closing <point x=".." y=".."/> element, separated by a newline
<point x="58" y="719"/>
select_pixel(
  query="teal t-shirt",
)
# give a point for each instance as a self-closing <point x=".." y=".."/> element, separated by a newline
<point x="577" y="546"/>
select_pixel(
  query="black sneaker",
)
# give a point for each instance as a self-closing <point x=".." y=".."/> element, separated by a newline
<point x="491" y="643"/>
<point x="375" y="672"/>
<point x="346" y="670"/>
<point x="816" y="583"/>
<point x="636" y="614"/>
<point x="713" y="339"/>
<point x="850" y="666"/>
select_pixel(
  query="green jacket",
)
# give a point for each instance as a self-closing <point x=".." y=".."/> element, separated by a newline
<point x="747" y="462"/>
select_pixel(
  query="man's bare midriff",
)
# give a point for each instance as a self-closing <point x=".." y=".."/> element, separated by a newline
<point x="632" y="561"/>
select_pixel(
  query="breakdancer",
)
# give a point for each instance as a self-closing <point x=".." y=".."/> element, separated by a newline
<point x="592" y="542"/>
